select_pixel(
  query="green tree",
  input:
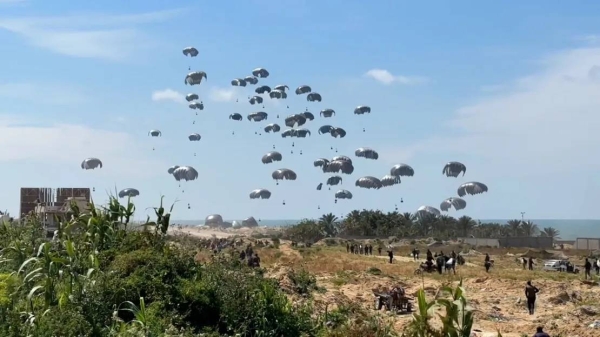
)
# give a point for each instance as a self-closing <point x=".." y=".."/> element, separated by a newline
<point x="465" y="225"/>
<point x="515" y="227"/>
<point x="528" y="228"/>
<point x="329" y="224"/>
<point x="550" y="232"/>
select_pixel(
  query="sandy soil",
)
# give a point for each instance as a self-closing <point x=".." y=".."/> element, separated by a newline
<point x="206" y="232"/>
<point x="566" y="305"/>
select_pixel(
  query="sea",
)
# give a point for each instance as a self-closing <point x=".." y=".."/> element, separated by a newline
<point x="569" y="229"/>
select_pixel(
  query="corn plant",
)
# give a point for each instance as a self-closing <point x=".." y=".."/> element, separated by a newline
<point x="163" y="219"/>
<point x="138" y="326"/>
<point x="458" y="319"/>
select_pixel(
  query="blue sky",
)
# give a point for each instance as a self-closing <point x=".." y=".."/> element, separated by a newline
<point x="509" y="89"/>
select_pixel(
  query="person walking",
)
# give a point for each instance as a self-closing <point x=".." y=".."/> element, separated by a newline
<point x="390" y="253"/>
<point x="531" y="294"/>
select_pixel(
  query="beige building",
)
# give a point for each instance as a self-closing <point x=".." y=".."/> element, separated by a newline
<point x="51" y="215"/>
<point x="52" y="206"/>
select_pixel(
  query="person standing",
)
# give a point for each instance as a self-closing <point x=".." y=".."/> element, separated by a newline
<point x="531" y="263"/>
<point x="540" y="332"/>
<point x="588" y="268"/>
<point x="487" y="263"/>
<point x="390" y="253"/>
<point x="531" y="294"/>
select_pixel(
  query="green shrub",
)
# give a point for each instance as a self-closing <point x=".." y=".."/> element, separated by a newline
<point x="99" y="279"/>
<point x="67" y="322"/>
<point x="304" y="282"/>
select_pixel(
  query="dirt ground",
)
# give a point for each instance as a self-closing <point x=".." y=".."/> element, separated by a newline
<point x="566" y="305"/>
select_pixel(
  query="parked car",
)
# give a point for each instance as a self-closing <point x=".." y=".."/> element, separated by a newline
<point x="555" y="265"/>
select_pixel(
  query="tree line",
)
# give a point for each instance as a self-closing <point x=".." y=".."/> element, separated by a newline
<point x="410" y="225"/>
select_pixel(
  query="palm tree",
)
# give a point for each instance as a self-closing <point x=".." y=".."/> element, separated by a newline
<point x="465" y="225"/>
<point x="445" y="225"/>
<point x="551" y="232"/>
<point x="515" y="227"/>
<point x="529" y="228"/>
<point x="329" y="223"/>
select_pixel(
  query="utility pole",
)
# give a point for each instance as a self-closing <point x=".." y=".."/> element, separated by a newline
<point x="522" y="217"/>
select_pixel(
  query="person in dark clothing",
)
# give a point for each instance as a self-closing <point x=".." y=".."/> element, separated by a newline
<point x="347" y="247"/>
<point x="391" y="254"/>
<point x="242" y="255"/>
<point x="415" y="254"/>
<point x="524" y="262"/>
<point x="439" y="263"/>
<point x="540" y="332"/>
<point x="597" y="267"/>
<point x="429" y="255"/>
<point x="531" y="294"/>
<point x="370" y="249"/>
<point x="487" y="263"/>
<point x="256" y="261"/>
<point x="588" y="268"/>
<point x="531" y="263"/>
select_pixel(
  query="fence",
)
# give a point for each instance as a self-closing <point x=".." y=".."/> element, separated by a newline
<point x="587" y="243"/>
<point x="481" y="242"/>
<point x="537" y="242"/>
<point x="514" y="242"/>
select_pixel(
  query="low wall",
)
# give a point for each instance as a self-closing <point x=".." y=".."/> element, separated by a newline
<point x="511" y="242"/>
<point x="536" y="242"/>
<point x="587" y="243"/>
<point x="481" y="242"/>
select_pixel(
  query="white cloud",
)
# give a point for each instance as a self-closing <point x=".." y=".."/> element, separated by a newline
<point x="112" y="37"/>
<point x="168" y="95"/>
<point x="52" y="93"/>
<point x="224" y="94"/>
<point x="120" y="153"/>
<point x="591" y="39"/>
<point x="492" y="88"/>
<point x="544" y="124"/>
<point x="237" y="94"/>
<point x="387" y="78"/>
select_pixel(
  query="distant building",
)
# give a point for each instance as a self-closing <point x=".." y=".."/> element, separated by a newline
<point x="52" y="205"/>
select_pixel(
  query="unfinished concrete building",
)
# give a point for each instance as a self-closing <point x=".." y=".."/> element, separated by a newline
<point x="52" y="205"/>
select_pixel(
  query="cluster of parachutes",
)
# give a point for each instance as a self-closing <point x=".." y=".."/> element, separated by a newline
<point x="296" y="127"/>
<point x="454" y="169"/>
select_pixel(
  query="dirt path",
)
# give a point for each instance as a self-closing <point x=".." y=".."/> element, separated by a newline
<point x="286" y="249"/>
